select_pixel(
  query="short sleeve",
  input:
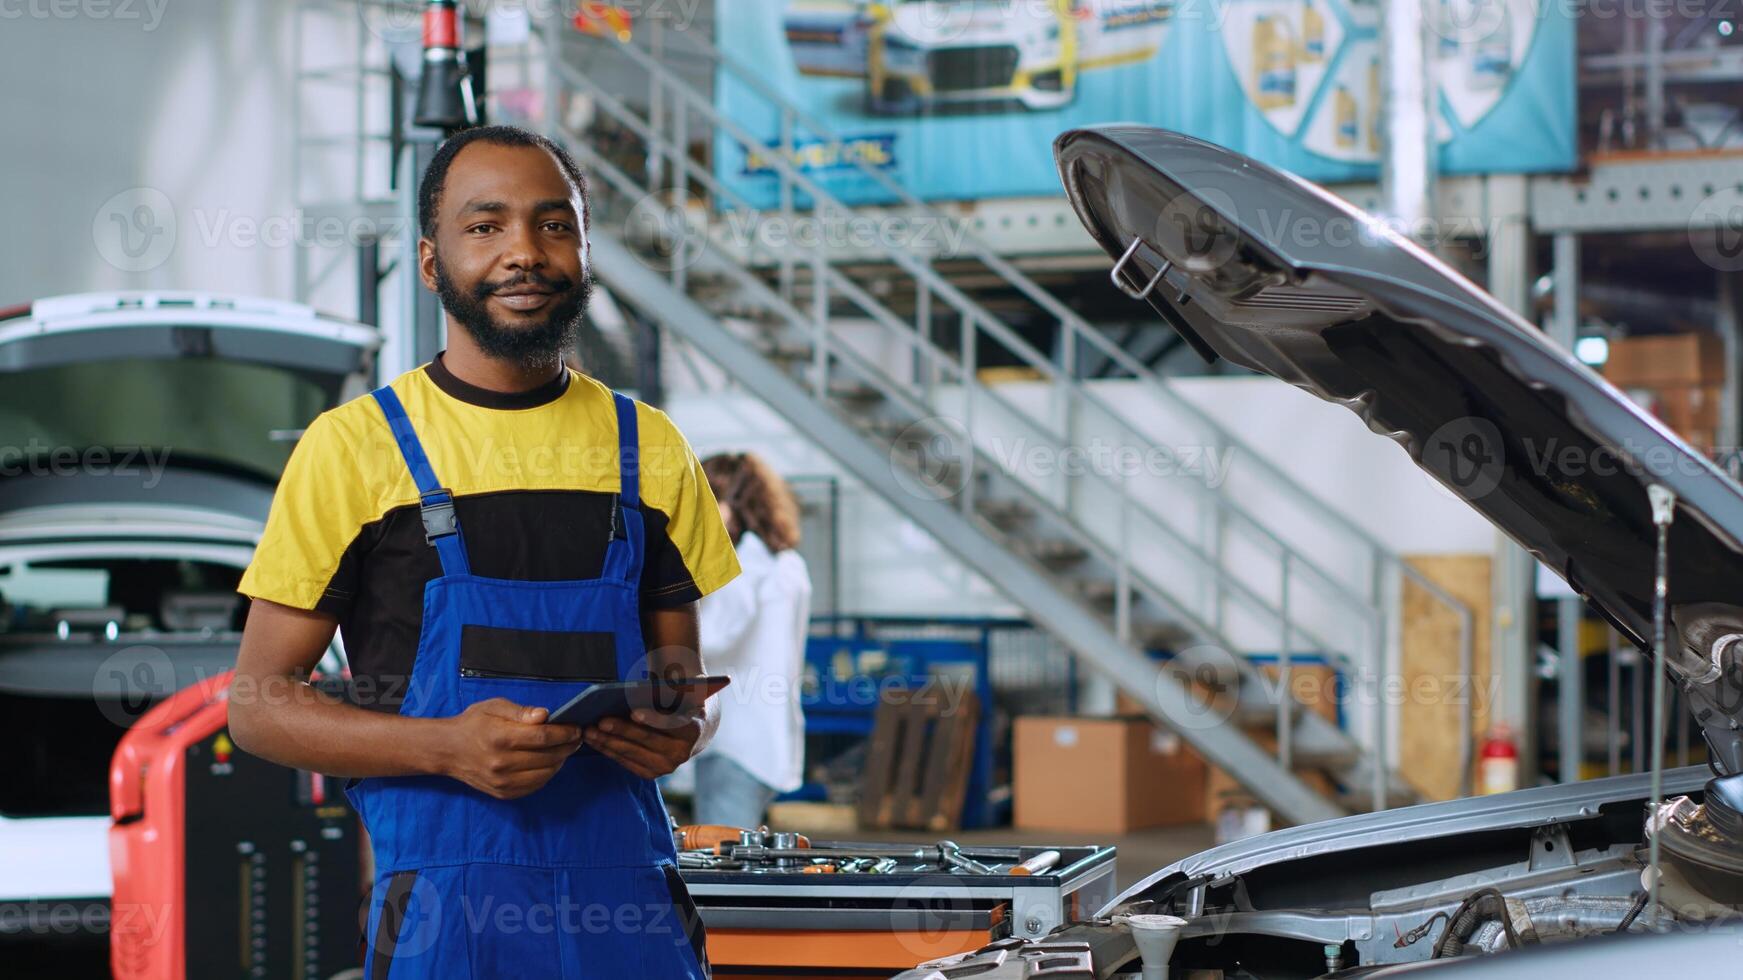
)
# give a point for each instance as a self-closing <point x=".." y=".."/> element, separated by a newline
<point x="689" y="554"/>
<point x="317" y="511"/>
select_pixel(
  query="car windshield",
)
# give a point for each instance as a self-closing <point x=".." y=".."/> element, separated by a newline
<point x="243" y="414"/>
<point x="108" y="597"/>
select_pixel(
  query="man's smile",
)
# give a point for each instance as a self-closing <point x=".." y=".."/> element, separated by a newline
<point x="523" y="299"/>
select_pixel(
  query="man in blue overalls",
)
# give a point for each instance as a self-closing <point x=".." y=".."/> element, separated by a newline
<point x="492" y="533"/>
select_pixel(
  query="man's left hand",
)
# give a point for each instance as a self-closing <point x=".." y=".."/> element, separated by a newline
<point x="649" y="744"/>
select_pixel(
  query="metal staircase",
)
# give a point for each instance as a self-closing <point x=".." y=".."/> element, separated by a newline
<point x="1115" y="565"/>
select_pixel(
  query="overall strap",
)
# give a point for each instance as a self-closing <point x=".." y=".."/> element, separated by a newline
<point x="629" y="451"/>
<point x="435" y="502"/>
<point x="623" y="558"/>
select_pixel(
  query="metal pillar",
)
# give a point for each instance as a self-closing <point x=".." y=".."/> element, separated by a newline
<point x="1728" y="321"/>
<point x="1513" y="577"/>
<point x="1407" y="160"/>
<point x="1655" y="33"/>
<point x="1565" y="326"/>
<point x="1571" y="698"/>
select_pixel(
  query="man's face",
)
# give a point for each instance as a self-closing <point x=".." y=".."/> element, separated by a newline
<point x="508" y="258"/>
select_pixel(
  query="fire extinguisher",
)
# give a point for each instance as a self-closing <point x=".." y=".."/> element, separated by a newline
<point x="1498" y="763"/>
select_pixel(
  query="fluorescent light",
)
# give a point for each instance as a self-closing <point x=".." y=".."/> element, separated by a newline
<point x="1592" y="350"/>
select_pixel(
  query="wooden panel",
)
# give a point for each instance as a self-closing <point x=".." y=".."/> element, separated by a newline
<point x="917" y="767"/>
<point x="1435" y="694"/>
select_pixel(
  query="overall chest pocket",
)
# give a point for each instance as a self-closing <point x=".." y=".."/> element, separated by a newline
<point x="539" y="655"/>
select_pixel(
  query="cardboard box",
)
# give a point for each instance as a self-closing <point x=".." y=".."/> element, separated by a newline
<point x="1102" y="775"/>
<point x="1665" y="361"/>
<point x="1688" y="408"/>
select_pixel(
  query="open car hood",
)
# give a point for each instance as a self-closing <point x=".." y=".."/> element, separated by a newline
<point x="1277" y="275"/>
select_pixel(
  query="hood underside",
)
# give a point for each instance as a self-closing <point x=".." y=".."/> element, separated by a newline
<point x="1274" y="274"/>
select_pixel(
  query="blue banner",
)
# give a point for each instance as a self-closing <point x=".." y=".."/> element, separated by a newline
<point x="961" y="99"/>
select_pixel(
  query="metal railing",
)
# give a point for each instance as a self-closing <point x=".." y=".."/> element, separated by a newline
<point x="668" y="137"/>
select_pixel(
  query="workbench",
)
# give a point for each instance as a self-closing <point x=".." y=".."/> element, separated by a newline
<point x="793" y="921"/>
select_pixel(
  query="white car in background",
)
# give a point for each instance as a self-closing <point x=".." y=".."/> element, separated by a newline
<point x="916" y="54"/>
<point x="140" y="439"/>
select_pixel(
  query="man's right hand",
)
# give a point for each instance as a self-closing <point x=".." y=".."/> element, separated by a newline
<point x="506" y="749"/>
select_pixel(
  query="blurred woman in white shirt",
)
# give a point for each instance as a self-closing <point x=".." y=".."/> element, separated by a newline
<point x="753" y="630"/>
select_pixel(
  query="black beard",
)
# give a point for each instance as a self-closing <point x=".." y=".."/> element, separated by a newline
<point x="531" y="345"/>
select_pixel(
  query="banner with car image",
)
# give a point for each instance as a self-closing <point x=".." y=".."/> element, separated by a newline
<point x="960" y="99"/>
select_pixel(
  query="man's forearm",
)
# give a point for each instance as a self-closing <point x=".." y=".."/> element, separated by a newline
<point x="285" y="720"/>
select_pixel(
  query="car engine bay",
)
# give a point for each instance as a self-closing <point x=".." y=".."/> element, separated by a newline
<point x="1368" y="897"/>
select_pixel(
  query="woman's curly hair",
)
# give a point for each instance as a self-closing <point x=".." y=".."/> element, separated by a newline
<point x="761" y="502"/>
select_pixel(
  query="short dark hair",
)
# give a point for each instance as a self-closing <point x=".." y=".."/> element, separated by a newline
<point x="436" y="175"/>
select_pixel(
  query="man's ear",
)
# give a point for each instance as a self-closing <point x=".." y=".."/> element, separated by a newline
<point x="427" y="263"/>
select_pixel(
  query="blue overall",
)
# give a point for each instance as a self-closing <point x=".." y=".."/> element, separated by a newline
<point x="575" y="880"/>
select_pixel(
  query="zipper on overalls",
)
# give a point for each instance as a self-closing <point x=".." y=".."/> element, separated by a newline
<point x="512" y="675"/>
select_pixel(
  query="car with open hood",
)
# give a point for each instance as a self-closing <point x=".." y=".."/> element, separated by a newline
<point x="143" y="435"/>
<point x="1273" y="273"/>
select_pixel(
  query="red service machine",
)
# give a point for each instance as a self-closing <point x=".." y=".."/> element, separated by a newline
<point x="225" y="865"/>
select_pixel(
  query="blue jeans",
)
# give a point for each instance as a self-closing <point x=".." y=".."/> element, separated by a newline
<point x="727" y="794"/>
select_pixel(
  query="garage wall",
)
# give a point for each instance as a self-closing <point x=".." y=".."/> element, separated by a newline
<point x="186" y="99"/>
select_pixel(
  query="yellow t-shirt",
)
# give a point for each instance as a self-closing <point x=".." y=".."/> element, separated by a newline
<point x="534" y="476"/>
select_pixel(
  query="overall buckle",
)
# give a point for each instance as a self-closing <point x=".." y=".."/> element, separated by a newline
<point x="437" y="511"/>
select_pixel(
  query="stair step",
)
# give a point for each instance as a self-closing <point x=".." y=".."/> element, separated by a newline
<point x="1054" y="552"/>
<point x="1097" y="590"/>
<point x="1005" y="514"/>
<point x="843" y="390"/>
<point x="777" y="350"/>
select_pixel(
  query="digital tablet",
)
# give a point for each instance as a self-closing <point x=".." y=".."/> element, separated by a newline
<point x="618" y="698"/>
